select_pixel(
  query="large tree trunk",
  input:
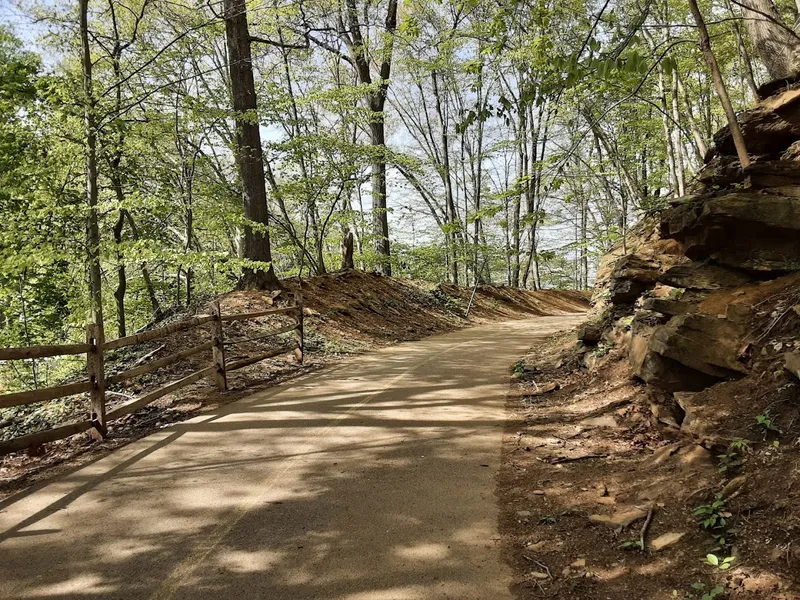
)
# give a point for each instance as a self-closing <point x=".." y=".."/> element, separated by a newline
<point x="777" y="45"/>
<point x="380" y="217"/>
<point x="92" y="193"/>
<point x="249" y="157"/>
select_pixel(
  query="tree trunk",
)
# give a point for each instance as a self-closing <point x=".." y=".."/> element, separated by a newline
<point x="777" y="45"/>
<point x="347" y="251"/>
<point x="249" y="157"/>
<point x="719" y="84"/>
<point x="677" y="135"/>
<point x="668" y="139"/>
<point x="380" y="217"/>
<point x="92" y="228"/>
<point x="450" y="232"/>
<point x="122" y="279"/>
<point x="376" y="101"/>
<point x="744" y="57"/>
<point x="701" y="147"/>
<point x="148" y="281"/>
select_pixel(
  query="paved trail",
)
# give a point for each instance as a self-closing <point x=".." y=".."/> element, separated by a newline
<point x="371" y="481"/>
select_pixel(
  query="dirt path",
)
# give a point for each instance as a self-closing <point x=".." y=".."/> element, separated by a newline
<point x="371" y="481"/>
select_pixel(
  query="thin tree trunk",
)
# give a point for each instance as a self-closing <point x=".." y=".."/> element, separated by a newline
<point x="668" y="139"/>
<point x="719" y="84"/>
<point x="677" y="135"/>
<point x="478" y="179"/>
<point x="448" y="184"/>
<point x="744" y="57"/>
<point x="122" y="280"/>
<point x="376" y="102"/>
<point x="148" y="281"/>
<point x="92" y="193"/>
<point x="700" y="143"/>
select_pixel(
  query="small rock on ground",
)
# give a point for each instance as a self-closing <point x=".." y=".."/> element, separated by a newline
<point x="665" y="540"/>
<point x="619" y="519"/>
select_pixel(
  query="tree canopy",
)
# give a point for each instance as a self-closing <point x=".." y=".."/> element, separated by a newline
<point x="467" y="141"/>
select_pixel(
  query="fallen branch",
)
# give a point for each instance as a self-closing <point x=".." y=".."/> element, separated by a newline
<point x="567" y="459"/>
<point x="645" y="527"/>
<point x="149" y="355"/>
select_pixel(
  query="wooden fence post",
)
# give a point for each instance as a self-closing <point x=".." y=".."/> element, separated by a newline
<point x="95" y="365"/>
<point x="218" y="348"/>
<point x="299" y="352"/>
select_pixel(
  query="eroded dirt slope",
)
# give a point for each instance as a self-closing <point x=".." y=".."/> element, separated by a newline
<point x="585" y="467"/>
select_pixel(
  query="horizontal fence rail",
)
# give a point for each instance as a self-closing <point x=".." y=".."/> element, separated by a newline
<point x="99" y="380"/>
<point x="42" y="351"/>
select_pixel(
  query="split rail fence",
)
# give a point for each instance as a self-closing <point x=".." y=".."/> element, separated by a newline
<point x="98" y="381"/>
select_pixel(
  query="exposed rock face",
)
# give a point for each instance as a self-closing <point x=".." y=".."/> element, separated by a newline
<point x="631" y="277"/>
<point x="590" y="334"/>
<point x="668" y="307"/>
<point x="700" y="276"/>
<point x="756" y="232"/>
<point x="686" y="338"/>
<point x="634" y="265"/>
<point x="661" y="370"/>
<point x="738" y="229"/>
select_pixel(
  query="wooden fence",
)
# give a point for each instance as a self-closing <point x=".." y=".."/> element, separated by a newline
<point x="97" y="381"/>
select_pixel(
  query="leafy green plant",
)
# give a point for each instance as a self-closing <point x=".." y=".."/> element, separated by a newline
<point x="676" y="293"/>
<point x="631" y="545"/>
<point x="518" y="368"/>
<point x="723" y="564"/>
<point x="724" y="540"/>
<point x="735" y="456"/>
<point x="548" y="520"/>
<point x="767" y="422"/>
<point x="714" y="515"/>
<point x="602" y="349"/>
<point x="699" y="592"/>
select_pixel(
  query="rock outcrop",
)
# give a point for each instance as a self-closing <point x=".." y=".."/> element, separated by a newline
<point x="684" y="285"/>
<point x="756" y="232"/>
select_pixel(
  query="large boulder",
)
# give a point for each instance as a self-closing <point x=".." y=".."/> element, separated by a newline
<point x="704" y="343"/>
<point x="660" y="371"/>
<point x="756" y="232"/>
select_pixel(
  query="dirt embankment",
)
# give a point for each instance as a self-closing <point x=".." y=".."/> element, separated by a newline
<point x="584" y="465"/>
<point x="667" y="465"/>
<point x="346" y="313"/>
